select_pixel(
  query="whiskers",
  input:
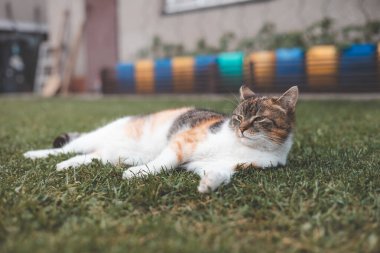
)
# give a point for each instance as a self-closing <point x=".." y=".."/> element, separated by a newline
<point x="261" y="140"/>
<point x="255" y="137"/>
<point x="235" y="101"/>
<point x="274" y="139"/>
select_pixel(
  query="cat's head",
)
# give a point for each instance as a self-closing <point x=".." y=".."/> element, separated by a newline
<point x="259" y="120"/>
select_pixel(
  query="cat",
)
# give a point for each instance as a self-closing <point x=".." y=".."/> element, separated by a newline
<point x="258" y="134"/>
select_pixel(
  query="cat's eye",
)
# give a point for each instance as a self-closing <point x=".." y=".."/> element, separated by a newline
<point x="259" y="118"/>
<point x="238" y="117"/>
<point x="266" y="122"/>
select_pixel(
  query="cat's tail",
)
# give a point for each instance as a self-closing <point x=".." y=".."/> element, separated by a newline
<point x="65" y="138"/>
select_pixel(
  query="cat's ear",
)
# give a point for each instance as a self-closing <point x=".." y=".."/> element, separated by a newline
<point x="288" y="100"/>
<point x="246" y="92"/>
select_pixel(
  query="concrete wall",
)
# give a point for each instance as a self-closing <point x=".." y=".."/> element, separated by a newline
<point x="23" y="10"/>
<point x="140" y="20"/>
<point x="24" y="13"/>
<point x="55" y="10"/>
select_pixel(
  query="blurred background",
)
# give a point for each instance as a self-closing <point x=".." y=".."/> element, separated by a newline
<point x="54" y="47"/>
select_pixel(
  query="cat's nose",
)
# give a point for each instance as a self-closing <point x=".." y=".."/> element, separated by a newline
<point x="240" y="133"/>
<point x="242" y="130"/>
<point x="243" y="126"/>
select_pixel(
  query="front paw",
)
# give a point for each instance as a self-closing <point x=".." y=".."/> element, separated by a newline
<point x="212" y="180"/>
<point x="205" y="186"/>
<point x="137" y="171"/>
<point x="65" y="165"/>
<point x="34" y="154"/>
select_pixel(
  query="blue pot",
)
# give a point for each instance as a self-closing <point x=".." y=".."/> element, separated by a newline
<point x="125" y="76"/>
<point x="290" y="67"/>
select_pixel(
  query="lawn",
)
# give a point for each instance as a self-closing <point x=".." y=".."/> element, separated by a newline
<point x="327" y="199"/>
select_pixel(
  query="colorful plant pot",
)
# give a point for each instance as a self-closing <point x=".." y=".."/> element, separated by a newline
<point x="357" y="66"/>
<point x="262" y="68"/>
<point x="163" y="75"/>
<point x="322" y="66"/>
<point x="230" y="66"/>
<point x="144" y="72"/>
<point x="183" y="74"/>
<point x="205" y="73"/>
<point x="290" y="67"/>
<point x="125" y="76"/>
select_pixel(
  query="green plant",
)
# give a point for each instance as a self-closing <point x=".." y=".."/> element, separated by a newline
<point x="368" y="32"/>
<point x="288" y="40"/>
<point x="246" y="45"/>
<point x="160" y="49"/>
<point x="265" y="39"/>
<point x="372" y="31"/>
<point x="156" y="47"/>
<point x="203" y="48"/>
<point x="321" y="33"/>
<point x="225" y="41"/>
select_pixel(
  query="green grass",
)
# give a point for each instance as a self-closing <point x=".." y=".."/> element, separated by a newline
<point x="327" y="199"/>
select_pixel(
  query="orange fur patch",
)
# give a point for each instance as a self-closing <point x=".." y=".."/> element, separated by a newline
<point x="184" y="143"/>
<point x="161" y="117"/>
<point x="134" y="128"/>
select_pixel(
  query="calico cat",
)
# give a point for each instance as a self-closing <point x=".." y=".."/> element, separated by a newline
<point x="258" y="134"/>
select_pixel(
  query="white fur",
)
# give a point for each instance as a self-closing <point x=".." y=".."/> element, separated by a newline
<point x="214" y="159"/>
